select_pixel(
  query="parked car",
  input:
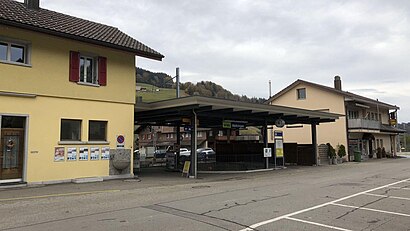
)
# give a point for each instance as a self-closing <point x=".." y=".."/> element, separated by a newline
<point x="206" y="154"/>
<point x="184" y="155"/>
<point x="160" y="153"/>
<point x="184" y="152"/>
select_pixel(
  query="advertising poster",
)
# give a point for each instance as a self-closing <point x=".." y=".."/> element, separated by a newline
<point x="105" y="153"/>
<point x="71" y="154"/>
<point x="95" y="153"/>
<point x="59" y="154"/>
<point x="83" y="153"/>
<point x="279" y="148"/>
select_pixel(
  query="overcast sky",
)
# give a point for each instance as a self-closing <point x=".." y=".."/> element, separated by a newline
<point x="243" y="44"/>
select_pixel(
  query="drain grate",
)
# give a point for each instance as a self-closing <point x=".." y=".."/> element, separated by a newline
<point x="201" y="186"/>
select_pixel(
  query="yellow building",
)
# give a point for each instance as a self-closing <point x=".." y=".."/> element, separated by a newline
<point x="365" y="125"/>
<point x="67" y="95"/>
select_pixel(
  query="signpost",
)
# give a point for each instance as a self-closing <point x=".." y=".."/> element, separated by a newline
<point x="267" y="152"/>
<point x="279" y="153"/>
<point x="120" y="141"/>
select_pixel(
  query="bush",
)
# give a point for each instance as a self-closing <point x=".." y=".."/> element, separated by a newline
<point x="341" y="151"/>
<point x="331" y="152"/>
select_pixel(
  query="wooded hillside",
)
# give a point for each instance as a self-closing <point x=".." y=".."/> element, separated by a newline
<point x="203" y="88"/>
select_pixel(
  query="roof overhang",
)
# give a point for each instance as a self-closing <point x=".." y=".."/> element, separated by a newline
<point x="81" y="39"/>
<point x="212" y="111"/>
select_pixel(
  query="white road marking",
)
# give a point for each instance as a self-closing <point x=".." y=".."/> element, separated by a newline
<point x="318" y="224"/>
<point x="392" y="197"/>
<point x="374" y="210"/>
<point x="252" y="227"/>
<point x="400" y="188"/>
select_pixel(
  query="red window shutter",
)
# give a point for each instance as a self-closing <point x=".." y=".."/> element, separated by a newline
<point x="102" y="71"/>
<point x="74" y="66"/>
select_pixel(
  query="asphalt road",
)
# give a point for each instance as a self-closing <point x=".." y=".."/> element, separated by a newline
<point x="372" y="195"/>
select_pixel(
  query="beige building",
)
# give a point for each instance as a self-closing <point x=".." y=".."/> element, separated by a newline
<point x="366" y="125"/>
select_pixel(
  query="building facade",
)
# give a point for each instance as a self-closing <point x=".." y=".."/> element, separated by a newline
<point x="67" y="94"/>
<point x="366" y="125"/>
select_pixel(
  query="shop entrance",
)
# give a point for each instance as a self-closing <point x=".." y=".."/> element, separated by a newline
<point x="12" y="145"/>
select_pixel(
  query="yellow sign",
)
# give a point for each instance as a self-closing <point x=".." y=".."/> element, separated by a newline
<point x="279" y="148"/>
<point x="187" y="164"/>
<point x="226" y="124"/>
<point x="279" y="152"/>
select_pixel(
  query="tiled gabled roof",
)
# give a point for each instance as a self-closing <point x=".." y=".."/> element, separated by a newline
<point x="17" y="14"/>
<point x="346" y="94"/>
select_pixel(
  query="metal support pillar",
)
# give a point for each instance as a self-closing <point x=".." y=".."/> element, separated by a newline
<point x="265" y="141"/>
<point x="194" y="157"/>
<point x="178" y="146"/>
<point x="177" y="81"/>
<point x="314" y="142"/>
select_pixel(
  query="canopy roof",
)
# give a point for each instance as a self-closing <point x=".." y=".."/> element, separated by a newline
<point x="211" y="112"/>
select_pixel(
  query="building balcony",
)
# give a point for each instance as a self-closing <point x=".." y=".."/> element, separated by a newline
<point x="364" y="124"/>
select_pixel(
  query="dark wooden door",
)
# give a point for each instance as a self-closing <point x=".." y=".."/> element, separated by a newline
<point x="11" y="153"/>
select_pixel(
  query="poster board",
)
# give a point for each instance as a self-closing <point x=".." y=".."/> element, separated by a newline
<point x="83" y="153"/>
<point x="94" y="153"/>
<point x="71" y="154"/>
<point x="279" y="148"/>
<point x="105" y="153"/>
<point x="59" y="154"/>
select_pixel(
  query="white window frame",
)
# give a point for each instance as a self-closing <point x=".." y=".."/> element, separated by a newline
<point x="26" y="53"/>
<point x="94" y="78"/>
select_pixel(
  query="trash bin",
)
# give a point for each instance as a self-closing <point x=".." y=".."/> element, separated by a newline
<point x="357" y="156"/>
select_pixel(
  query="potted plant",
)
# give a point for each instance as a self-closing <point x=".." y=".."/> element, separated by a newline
<point x="341" y="152"/>
<point x="383" y="153"/>
<point x="331" y="153"/>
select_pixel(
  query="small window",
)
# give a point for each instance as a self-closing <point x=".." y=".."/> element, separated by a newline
<point x="88" y="70"/>
<point x="12" y="52"/>
<point x="97" y="131"/>
<point x="301" y="93"/>
<point x="70" y="130"/>
<point x="3" y="51"/>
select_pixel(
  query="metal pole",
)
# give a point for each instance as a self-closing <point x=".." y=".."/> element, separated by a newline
<point x="314" y="141"/>
<point x="270" y="89"/>
<point x="177" y="81"/>
<point x="178" y="147"/>
<point x="404" y="138"/>
<point x="265" y="141"/>
<point x="194" y="157"/>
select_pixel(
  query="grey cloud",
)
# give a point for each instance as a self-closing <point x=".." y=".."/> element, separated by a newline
<point x="242" y="44"/>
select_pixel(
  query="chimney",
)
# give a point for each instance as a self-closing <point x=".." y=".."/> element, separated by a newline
<point x="338" y="83"/>
<point x="32" y="4"/>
